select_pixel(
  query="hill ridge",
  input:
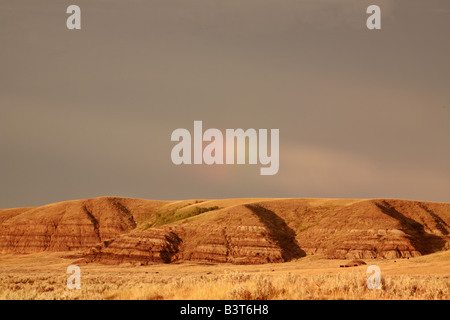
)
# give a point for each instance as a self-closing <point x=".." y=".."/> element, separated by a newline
<point x="115" y="230"/>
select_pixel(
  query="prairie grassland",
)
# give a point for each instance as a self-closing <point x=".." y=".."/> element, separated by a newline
<point x="42" y="276"/>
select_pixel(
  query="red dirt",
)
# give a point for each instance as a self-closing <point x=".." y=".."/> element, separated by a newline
<point x="243" y="231"/>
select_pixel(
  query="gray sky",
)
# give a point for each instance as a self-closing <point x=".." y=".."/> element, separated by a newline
<point x="362" y="114"/>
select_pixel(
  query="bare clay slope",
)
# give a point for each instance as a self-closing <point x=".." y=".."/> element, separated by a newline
<point x="69" y="225"/>
<point x="242" y="231"/>
<point x="368" y="228"/>
<point x="266" y="230"/>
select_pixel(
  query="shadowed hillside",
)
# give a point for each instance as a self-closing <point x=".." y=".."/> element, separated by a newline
<point x="114" y="230"/>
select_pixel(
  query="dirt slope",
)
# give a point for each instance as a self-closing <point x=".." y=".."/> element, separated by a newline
<point x="69" y="225"/>
<point x="117" y="230"/>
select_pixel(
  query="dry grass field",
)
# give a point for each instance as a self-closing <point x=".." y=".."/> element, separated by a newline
<point x="226" y="249"/>
<point x="43" y="276"/>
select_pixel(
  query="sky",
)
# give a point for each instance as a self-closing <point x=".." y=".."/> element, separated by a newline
<point x="88" y="113"/>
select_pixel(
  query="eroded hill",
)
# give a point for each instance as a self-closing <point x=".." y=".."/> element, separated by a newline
<point x="115" y="230"/>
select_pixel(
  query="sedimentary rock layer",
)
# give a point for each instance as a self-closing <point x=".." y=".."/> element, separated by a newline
<point x="242" y="231"/>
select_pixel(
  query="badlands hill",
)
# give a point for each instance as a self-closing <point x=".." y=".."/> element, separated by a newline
<point x="115" y="230"/>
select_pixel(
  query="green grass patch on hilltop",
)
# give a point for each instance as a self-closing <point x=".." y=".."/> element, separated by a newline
<point x="171" y="216"/>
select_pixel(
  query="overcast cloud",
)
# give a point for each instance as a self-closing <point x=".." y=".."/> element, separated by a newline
<point x="362" y="114"/>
